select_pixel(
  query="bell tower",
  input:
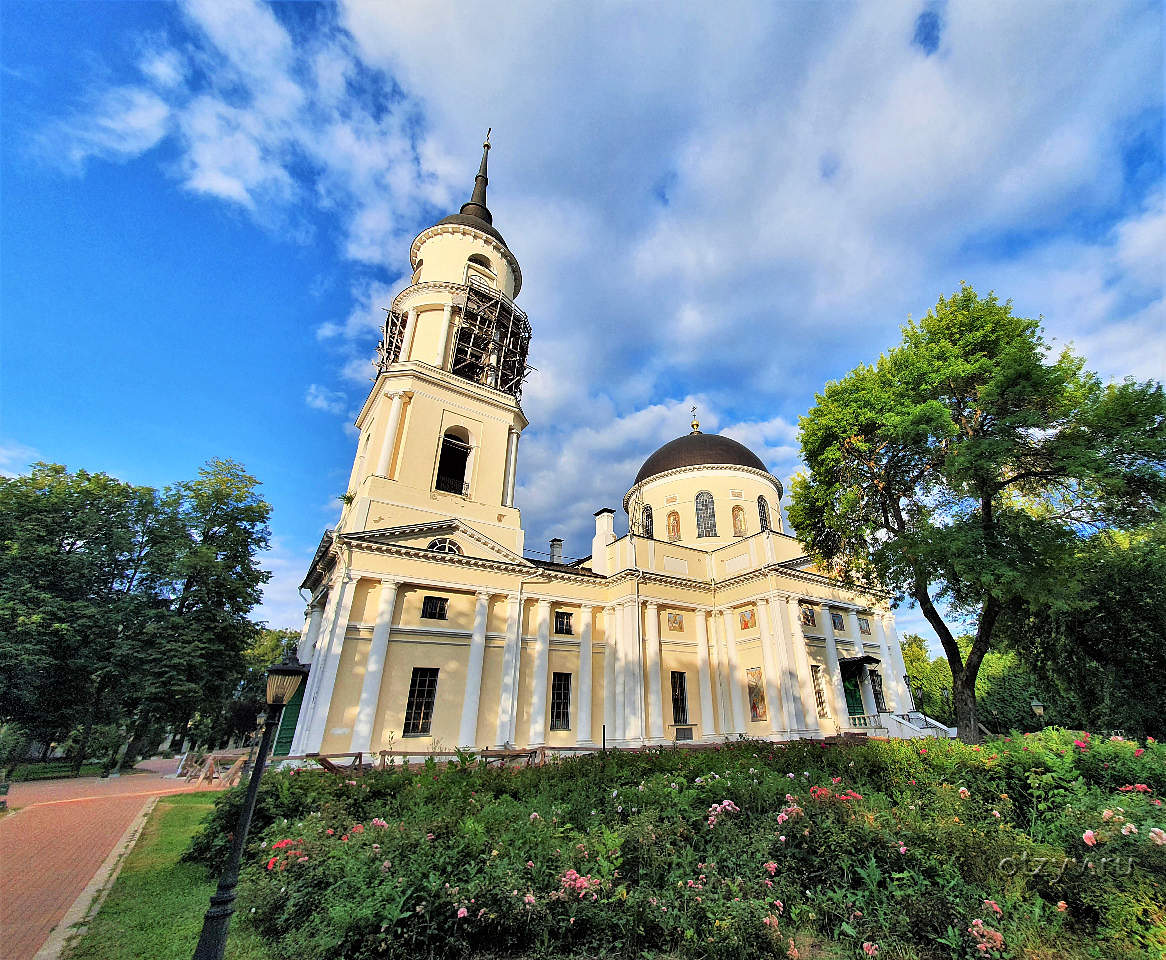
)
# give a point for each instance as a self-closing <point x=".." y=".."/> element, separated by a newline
<point x="439" y="431"/>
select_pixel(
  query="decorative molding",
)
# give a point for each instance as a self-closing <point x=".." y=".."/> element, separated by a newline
<point x="701" y="468"/>
<point x="459" y="228"/>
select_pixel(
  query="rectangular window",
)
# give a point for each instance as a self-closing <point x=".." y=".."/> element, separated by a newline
<point x="836" y="619"/>
<point x="819" y="693"/>
<point x="419" y="709"/>
<point x="864" y="626"/>
<point x="876" y="685"/>
<point x="563" y="625"/>
<point x="435" y="608"/>
<point x="679" y="697"/>
<point x="560" y="701"/>
<point x="808" y="617"/>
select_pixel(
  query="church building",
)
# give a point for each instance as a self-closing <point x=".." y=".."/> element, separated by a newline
<point x="428" y="628"/>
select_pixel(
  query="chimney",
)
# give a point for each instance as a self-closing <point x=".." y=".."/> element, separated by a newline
<point x="556" y="550"/>
<point x="604" y="536"/>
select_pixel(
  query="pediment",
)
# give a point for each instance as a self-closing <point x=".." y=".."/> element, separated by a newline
<point x="423" y="536"/>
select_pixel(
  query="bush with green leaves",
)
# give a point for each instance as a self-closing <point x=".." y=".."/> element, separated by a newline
<point x="1026" y="846"/>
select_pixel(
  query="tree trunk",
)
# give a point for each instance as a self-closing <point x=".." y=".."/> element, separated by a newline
<point x="963" y="697"/>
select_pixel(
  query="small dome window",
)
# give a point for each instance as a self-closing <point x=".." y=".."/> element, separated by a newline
<point x="445" y="545"/>
<point x="480" y="260"/>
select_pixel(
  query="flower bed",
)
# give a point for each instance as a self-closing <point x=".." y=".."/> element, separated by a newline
<point x="1030" y="846"/>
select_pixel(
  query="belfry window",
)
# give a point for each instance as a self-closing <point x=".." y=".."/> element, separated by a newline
<point x="763" y="513"/>
<point x="647" y="521"/>
<point x="706" y="520"/>
<point x="451" y="465"/>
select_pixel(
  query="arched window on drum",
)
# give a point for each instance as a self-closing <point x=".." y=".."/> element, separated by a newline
<point x="706" y="519"/>
<point x="646" y="522"/>
<point x="763" y="513"/>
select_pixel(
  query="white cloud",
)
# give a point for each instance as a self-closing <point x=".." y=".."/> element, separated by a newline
<point x="282" y="605"/>
<point x="16" y="458"/>
<point x="321" y="398"/>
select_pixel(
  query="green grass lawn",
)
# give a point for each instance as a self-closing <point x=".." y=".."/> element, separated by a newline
<point x="156" y="905"/>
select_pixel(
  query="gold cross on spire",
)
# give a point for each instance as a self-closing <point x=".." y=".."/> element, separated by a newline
<point x="695" y="422"/>
<point x="487" y="142"/>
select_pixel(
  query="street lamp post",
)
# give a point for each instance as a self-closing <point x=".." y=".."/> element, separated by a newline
<point x="1039" y="709"/>
<point x="283" y="679"/>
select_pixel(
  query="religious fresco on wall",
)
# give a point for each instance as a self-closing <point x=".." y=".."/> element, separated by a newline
<point x="836" y="619"/>
<point x="673" y="526"/>
<point x="864" y="626"/>
<point x="676" y="622"/>
<point x="756" y="694"/>
<point x="808" y="617"/>
<point x="748" y="619"/>
<point x="738" y="521"/>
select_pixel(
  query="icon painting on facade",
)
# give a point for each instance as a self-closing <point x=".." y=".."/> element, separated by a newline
<point x="748" y="619"/>
<point x="756" y="694"/>
<point x="676" y="622"/>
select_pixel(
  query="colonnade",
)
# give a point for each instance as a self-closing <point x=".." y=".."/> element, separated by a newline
<point x="634" y="698"/>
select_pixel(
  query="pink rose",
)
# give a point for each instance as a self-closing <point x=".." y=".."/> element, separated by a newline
<point x="1090" y="838"/>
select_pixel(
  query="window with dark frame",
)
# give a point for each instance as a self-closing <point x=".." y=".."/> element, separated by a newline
<point x="419" y="708"/>
<point x="647" y="522"/>
<point x="679" y="697"/>
<point x="435" y="608"/>
<point x="876" y="686"/>
<point x="808" y="619"/>
<point x="706" y="519"/>
<point x="563" y="625"/>
<point x="560" y="701"/>
<point x="763" y="513"/>
<point x="819" y="693"/>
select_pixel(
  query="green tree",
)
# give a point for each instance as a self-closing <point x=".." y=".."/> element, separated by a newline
<point x="1105" y="652"/>
<point x="963" y="467"/>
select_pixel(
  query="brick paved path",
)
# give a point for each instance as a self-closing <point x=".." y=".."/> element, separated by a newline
<point x="52" y="847"/>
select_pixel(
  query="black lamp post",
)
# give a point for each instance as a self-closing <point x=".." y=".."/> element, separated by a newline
<point x="283" y="679"/>
<point x="1039" y="709"/>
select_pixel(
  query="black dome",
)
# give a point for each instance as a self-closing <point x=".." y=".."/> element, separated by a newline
<point x="695" y="449"/>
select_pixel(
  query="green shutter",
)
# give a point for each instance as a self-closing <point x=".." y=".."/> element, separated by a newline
<point x="287" y="725"/>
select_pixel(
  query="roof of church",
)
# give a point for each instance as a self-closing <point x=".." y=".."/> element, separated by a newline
<point x="696" y="449"/>
<point x="475" y="213"/>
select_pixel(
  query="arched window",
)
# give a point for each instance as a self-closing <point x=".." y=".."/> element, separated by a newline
<point x="706" y="520"/>
<point x="417" y="271"/>
<point x="647" y="522"/>
<point x="482" y="261"/>
<point x="451" y="465"/>
<point x="673" y="525"/>
<point x="480" y="270"/>
<point x="738" y="521"/>
<point x="445" y="545"/>
<point x="763" y="513"/>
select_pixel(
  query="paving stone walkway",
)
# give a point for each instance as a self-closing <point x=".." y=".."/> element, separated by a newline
<point x="59" y="835"/>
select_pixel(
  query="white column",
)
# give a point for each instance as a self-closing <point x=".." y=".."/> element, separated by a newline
<point x="833" y="673"/>
<point x="736" y="695"/>
<point x="538" y="682"/>
<point x="407" y="336"/>
<point x="509" y="684"/>
<point x="306" y="649"/>
<point x="776" y="691"/>
<point x="724" y="712"/>
<point x="619" y="689"/>
<point x="704" y="680"/>
<point x="446" y="323"/>
<point x="468" y="728"/>
<point x="770" y="553"/>
<point x="609" y="657"/>
<point x="869" y="707"/>
<point x="888" y="669"/>
<point x="904" y="697"/>
<point x="389" y="441"/>
<point x="634" y="674"/>
<point x="583" y="714"/>
<point x="801" y="660"/>
<point x="791" y="691"/>
<point x="374" y="669"/>
<point x="311" y="691"/>
<point x="511" y="467"/>
<point x="652" y="665"/>
<point x="329" y="664"/>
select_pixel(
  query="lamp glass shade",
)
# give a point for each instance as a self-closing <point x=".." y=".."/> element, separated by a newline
<point x="1038" y="708"/>
<point x="283" y="679"/>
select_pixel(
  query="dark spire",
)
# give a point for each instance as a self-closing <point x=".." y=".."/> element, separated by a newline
<point x="477" y="205"/>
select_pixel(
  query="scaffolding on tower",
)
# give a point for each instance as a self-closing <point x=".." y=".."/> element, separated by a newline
<point x="491" y="339"/>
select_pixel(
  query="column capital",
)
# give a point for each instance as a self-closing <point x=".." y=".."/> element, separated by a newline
<point x="395" y="581"/>
<point x="483" y="595"/>
<point x="544" y="604"/>
<point x="652" y="604"/>
<point x="588" y="607"/>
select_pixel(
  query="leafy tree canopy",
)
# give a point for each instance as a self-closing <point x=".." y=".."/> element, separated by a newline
<point x="965" y="465"/>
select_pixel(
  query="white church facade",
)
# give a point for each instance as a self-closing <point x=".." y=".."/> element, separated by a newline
<point x="429" y="629"/>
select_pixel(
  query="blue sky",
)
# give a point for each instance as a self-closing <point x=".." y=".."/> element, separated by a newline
<point x="205" y="205"/>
